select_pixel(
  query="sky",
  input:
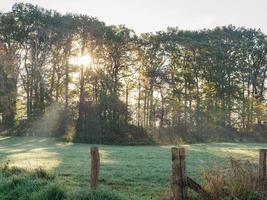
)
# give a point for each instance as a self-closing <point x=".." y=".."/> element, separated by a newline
<point x="156" y="15"/>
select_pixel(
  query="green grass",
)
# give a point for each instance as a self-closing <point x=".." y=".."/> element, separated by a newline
<point x="134" y="172"/>
<point x="17" y="183"/>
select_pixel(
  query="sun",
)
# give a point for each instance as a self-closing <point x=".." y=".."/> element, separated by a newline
<point x="81" y="60"/>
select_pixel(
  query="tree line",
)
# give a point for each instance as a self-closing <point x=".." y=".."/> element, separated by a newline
<point x="194" y="85"/>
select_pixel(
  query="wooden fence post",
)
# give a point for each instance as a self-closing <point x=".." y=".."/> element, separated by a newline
<point x="262" y="173"/>
<point x="95" y="164"/>
<point x="179" y="178"/>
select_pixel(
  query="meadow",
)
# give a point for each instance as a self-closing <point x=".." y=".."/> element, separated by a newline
<point x="134" y="172"/>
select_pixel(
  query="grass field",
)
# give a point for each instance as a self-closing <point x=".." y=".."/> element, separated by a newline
<point x="135" y="172"/>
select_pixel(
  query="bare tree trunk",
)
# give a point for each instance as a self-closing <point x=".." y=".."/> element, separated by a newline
<point x="138" y="103"/>
<point x="151" y="105"/>
<point x="145" y="110"/>
<point x="67" y="84"/>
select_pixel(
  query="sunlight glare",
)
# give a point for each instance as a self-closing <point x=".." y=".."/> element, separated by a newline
<point x="81" y="60"/>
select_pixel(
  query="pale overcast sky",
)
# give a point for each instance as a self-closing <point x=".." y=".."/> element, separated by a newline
<point x="154" y="15"/>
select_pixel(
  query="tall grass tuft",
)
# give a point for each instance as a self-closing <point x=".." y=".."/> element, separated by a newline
<point x="43" y="174"/>
<point x="51" y="191"/>
<point x="17" y="183"/>
<point x="238" y="181"/>
<point x="99" y="194"/>
<point x="38" y="184"/>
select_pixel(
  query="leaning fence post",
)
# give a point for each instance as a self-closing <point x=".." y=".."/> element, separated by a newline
<point x="95" y="164"/>
<point x="262" y="173"/>
<point x="179" y="178"/>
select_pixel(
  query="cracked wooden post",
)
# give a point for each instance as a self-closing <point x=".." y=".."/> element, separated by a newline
<point x="262" y="173"/>
<point x="179" y="178"/>
<point x="95" y="164"/>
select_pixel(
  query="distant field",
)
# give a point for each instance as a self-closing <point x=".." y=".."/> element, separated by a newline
<point x="136" y="172"/>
